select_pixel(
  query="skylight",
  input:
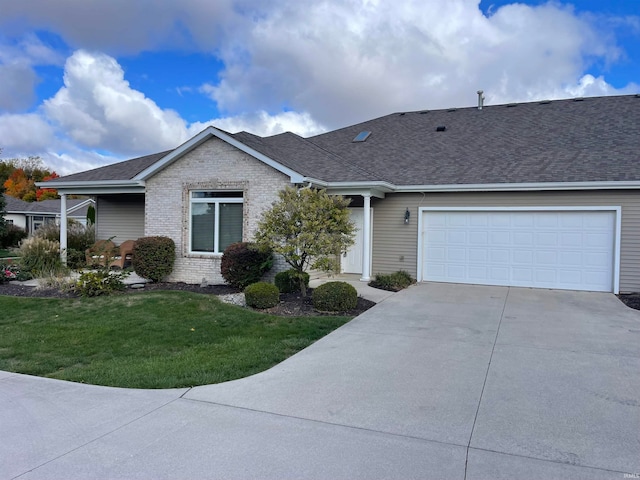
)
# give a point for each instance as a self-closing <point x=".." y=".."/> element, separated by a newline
<point x="362" y="136"/>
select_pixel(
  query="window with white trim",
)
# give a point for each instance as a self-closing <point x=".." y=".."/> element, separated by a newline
<point x="216" y="220"/>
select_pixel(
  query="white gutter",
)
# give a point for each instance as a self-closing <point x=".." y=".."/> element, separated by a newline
<point x="477" y="187"/>
<point x="92" y="183"/>
<point x="496" y="187"/>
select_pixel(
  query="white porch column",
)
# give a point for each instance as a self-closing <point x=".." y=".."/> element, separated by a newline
<point x="63" y="228"/>
<point x="366" y="240"/>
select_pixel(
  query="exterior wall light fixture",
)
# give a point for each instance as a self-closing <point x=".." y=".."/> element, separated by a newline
<point x="407" y="216"/>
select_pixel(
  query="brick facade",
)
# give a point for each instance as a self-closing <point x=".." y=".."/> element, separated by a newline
<point x="213" y="165"/>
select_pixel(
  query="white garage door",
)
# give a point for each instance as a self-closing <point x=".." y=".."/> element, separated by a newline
<point x="543" y="248"/>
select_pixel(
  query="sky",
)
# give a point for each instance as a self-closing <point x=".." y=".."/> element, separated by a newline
<point x="86" y="83"/>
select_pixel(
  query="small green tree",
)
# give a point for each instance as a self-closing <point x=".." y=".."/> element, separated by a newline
<point x="3" y="204"/>
<point x="91" y="215"/>
<point x="309" y="228"/>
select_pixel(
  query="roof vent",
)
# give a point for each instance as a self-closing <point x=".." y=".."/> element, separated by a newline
<point x="511" y="105"/>
<point x="441" y="128"/>
<point x="362" y="136"/>
<point x="544" y="102"/>
<point x="578" y="99"/>
<point x="423" y="112"/>
<point x="403" y="114"/>
<point x="452" y="110"/>
<point x="480" y="99"/>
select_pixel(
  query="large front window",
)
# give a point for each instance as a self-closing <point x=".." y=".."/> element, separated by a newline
<point x="216" y="220"/>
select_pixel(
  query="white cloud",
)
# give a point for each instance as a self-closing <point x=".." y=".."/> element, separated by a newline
<point x="19" y="79"/>
<point x="263" y="124"/>
<point x="346" y="61"/>
<point x="16" y="87"/>
<point x="24" y="132"/>
<point x="125" y="26"/>
<point x="98" y="109"/>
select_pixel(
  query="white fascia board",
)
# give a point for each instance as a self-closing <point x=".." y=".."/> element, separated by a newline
<point x="102" y="190"/>
<point x="496" y="187"/>
<point x="204" y="136"/>
<point x="80" y="205"/>
<point x="375" y="189"/>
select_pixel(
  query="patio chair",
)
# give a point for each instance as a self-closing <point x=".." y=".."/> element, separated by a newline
<point x="100" y="252"/>
<point x="124" y="254"/>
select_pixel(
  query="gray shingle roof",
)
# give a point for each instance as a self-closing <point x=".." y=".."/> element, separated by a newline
<point x="577" y="140"/>
<point x="594" y="139"/>
<point x="15" y="205"/>
<point x="117" y="171"/>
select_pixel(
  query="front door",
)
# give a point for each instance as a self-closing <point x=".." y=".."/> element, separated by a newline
<point x="352" y="259"/>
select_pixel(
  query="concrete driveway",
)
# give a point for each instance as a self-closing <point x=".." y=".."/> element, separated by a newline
<point x="438" y="381"/>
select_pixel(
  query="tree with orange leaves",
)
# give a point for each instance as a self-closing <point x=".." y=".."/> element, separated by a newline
<point x="18" y="176"/>
<point x="19" y="185"/>
<point x="47" y="193"/>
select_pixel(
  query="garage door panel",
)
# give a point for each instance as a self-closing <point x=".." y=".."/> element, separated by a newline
<point x="500" y="237"/>
<point x="596" y="240"/>
<point x="546" y="220"/>
<point x="434" y="254"/>
<point x="454" y="255"/>
<point x="500" y="256"/>
<point x="457" y="237"/>
<point x="478" y="237"/>
<point x="520" y="256"/>
<point x="548" y="249"/>
<point x="523" y="238"/>
<point x="477" y="255"/>
<point x="572" y="259"/>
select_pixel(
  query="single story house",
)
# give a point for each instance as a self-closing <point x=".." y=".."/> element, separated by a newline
<point x="541" y="194"/>
<point x="32" y="215"/>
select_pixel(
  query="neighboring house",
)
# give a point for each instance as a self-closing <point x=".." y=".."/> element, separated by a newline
<point x="542" y="194"/>
<point x="32" y="215"/>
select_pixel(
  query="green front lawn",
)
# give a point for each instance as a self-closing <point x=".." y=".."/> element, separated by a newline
<point x="148" y="340"/>
<point x="7" y="253"/>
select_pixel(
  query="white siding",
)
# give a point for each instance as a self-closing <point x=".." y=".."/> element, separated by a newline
<point x="19" y="220"/>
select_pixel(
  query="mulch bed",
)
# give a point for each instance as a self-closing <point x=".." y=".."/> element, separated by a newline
<point x="631" y="300"/>
<point x="291" y="304"/>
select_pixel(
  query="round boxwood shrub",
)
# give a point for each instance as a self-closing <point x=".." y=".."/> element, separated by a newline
<point x="153" y="257"/>
<point x="335" y="297"/>
<point x="288" y="282"/>
<point x="244" y="263"/>
<point x="262" y="295"/>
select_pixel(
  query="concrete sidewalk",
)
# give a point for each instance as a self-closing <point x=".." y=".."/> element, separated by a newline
<point x="437" y="381"/>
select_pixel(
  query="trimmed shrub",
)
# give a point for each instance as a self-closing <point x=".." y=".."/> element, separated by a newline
<point x="262" y="295"/>
<point x="393" y="282"/>
<point x="153" y="257"/>
<point x="100" y="282"/>
<point x="288" y="282"/>
<point x="40" y="256"/>
<point x="12" y="237"/>
<point x="244" y="263"/>
<point x="335" y="297"/>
